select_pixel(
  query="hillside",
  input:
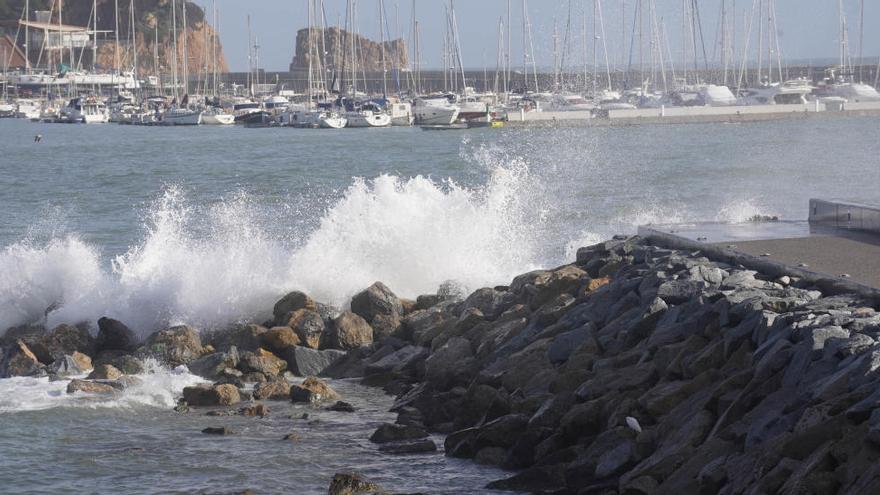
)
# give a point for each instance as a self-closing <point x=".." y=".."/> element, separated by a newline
<point x="152" y="18"/>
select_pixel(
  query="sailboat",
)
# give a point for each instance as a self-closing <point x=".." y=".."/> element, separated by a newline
<point x="180" y="114"/>
<point x="323" y="116"/>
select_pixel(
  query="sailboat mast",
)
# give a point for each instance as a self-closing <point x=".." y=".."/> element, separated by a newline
<point x="185" y="57"/>
<point x="94" y="35"/>
<point x="174" y="56"/>
<point x="27" y="46"/>
<point x="116" y="18"/>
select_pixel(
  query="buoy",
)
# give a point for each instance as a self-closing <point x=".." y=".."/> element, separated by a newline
<point x="38" y="138"/>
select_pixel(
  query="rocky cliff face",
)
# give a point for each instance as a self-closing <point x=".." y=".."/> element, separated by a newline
<point x="152" y="19"/>
<point x="336" y="44"/>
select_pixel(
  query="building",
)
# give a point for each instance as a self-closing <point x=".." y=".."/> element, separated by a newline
<point x="11" y="56"/>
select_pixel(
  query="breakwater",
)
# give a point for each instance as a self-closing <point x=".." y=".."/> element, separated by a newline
<point x="636" y="369"/>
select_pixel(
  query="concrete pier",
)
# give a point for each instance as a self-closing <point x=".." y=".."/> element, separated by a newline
<point x="838" y="248"/>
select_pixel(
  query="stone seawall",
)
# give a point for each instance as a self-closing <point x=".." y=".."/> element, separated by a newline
<point x="637" y="369"/>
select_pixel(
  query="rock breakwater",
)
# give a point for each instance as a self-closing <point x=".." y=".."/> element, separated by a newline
<point x="636" y="369"/>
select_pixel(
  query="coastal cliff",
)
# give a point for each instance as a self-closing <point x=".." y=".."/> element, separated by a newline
<point x="152" y="18"/>
<point x="636" y="369"/>
<point x="336" y="45"/>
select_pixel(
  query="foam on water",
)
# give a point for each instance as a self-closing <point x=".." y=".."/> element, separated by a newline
<point x="159" y="387"/>
<point x="209" y="266"/>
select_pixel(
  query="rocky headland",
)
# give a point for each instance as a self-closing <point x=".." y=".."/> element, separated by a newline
<point x="635" y="370"/>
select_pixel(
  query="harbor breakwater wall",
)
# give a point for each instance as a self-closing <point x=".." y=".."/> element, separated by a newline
<point x="635" y="369"/>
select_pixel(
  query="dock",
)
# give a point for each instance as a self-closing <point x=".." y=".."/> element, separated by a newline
<point x="697" y="114"/>
<point x="837" y="247"/>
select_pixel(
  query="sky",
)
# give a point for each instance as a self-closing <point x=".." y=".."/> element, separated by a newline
<point x="808" y="30"/>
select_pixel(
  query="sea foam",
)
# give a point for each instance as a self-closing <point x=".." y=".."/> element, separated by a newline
<point x="210" y="267"/>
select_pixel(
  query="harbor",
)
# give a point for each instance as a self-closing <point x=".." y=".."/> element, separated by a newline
<point x="340" y="78"/>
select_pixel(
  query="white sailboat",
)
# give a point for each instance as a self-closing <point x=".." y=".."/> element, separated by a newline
<point x="435" y="111"/>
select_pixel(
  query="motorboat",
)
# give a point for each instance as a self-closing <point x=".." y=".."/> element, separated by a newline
<point x="85" y="110"/>
<point x="791" y="92"/>
<point x="216" y="116"/>
<point x="27" y="109"/>
<point x="367" y="115"/>
<point x="435" y="111"/>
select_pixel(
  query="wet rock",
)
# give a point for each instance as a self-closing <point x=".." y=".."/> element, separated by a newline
<point x="312" y="390"/>
<point x="210" y="396"/>
<point x="214" y="366"/>
<point x="292" y="437"/>
<point x="71" y="365"/>
<point x="450" y="364"/>
<point x="291" y="302"/>
<point x="126" y="363"/>
<point x="89" y="387"/>
<point x="272" y="390"/>
<point x="341" y="406"/>
<point x="413" y="447"/>
<point x="350" y="331"/>
<point x="174" y="346"/>
<point x="242" y="337"/>
<point x="402" y="359"/>
<point x="352" y="484"/>
<point x="262" y="361"/>
<point x="302" y="361"/>
<point x="67" y="339"/>
<point x="115" y="335"/>
<point x="489" y="301"/>
<point x="389" y="432"/>
<point x="220" y="430"/>
<point x="254" y="411"/>
<point x="279" y="339"/>
<point x="376" y="300"/>
<point x="309" y="327"/>
<point x="18" y="360"/>
<point x="105" y="372"/>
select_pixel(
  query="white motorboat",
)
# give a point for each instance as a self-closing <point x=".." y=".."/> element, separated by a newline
<point x="215" y="116"/>
<point x="717" y="96"/>
<point x="316" y="119"/>
<point x="181" y="116"/>
<point x="7" y="110"/>
<point x="27" y="109"/>
<point x="368" y="115"/>
<point x="854" y="92"/>
<point x="86" y="111"/>
<point x="435" y="111"/>
<point x="792" y="92"/>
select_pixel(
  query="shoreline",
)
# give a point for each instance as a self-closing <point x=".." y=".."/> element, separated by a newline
<point x="637" y="368"/>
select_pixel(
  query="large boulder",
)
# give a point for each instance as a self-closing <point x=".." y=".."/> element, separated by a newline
<point x="174" y="346"/>
<point x="66" y="339"/>
<point x="105" y="372"/>
<point x="388" y="432"/>
<point x="302" y="361"/>
<point x="350" y="331"/>
<point x="262" y="361"/>
<point x="71" y="365"/>
<point x="213" y="366"/>
<point x="115" y="335"/>
<point x="242" y="337"/>
<point x="293" y="301"/>
<point x="272" y="390"/>
<point x="279" y="339"/>
<point x="210" y="396"/>
<point x="376" y="300"/>
<point x="308" y="325"/>
<point x="90" y="387"/>
<point x="451" y="363"/>
<point x="19" y="360"/>
<point x="312" y="390"/>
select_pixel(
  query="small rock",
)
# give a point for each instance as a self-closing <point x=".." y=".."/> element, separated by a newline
<point x="262" y="361"/>
<point x="292" y="437"/>
<point x="350" y="331"/>
<point x="272" y="390"/>
<point x="255" y="410"/>
<point x="175" y="346"/>
<point x="209" y="396"/>
<point x="351" y="484"/>
<point x="633" y="424"/>
<point x="222" y="430"/>
<point x="312" y="390"/>
<point x="376" y="300"/>
<point x="279" y="339"/>
<point x="115" y="335"/>
<point x="341" y="406"/>
<point x="181" y="407"/>
<point x="415" y="447"/>
<point x="292" y="302"/>
<point x="388" y="432"/>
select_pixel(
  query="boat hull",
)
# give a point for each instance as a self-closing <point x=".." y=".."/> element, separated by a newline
<point x="368" y="119"/>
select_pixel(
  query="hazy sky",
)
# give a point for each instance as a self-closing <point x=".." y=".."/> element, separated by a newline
<point x="808" y="29"/>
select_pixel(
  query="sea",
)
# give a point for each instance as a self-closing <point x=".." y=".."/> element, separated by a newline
<point x="209" y="226"/>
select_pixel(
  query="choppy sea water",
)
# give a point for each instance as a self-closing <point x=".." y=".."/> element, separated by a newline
<point x="211" y="225"/>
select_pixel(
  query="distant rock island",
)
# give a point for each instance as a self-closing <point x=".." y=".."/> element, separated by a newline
<point x="335" y="44"/>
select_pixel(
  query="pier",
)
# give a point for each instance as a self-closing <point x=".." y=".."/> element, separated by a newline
<point x="837" y="247"/>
